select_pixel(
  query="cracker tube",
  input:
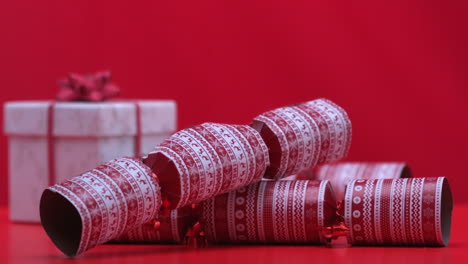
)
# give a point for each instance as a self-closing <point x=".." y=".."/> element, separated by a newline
<point x="270" y="212"/>
<point x="341" y="173"/>
<point x="412" y="212"/>
<point x="304" y="136"/>
<point x="167" y="229"/>
<point x="99" y="205"/>
<point x="203" y="161"/>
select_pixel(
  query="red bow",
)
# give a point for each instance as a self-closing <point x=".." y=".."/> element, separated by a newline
<point x="90" y="87"/>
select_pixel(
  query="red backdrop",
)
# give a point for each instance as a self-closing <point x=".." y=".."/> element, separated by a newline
<point x="398" y="67"/>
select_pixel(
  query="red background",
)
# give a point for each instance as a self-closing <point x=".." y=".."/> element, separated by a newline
<point x="398" y="67"/>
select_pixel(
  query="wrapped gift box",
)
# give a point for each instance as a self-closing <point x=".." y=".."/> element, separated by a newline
<point x="82" y="135"/>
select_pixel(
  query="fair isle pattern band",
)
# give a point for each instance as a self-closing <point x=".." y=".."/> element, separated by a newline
<point x="332" y="128"/>
<point x="416" y="199"/>
<point x="377" y="206"/>
<point x="176" y="236"/>
<point x="271" y="122"/>
<point x="438" y="222"/>
<point x="308" y="151"/>
<point x="342" y="126"/>
<point x="112" y="198"/>
<point x="214" y="158"/>
<point x="321" y="203"/>
<point x="260" y="200"/>
<point x="321" y="207"/>
<point x="396" y="198"/>
<point x="394" y="212"/>
<point x="347" y="129"/>
<point x="250" y="211"/>
<point x="367" y="212"/>
<point x="348" y="200"/>
<point x="309" y="134"/>
<point x="287" y="212"/>
<point x="277" y="212"/>
<point x="231" y="202"/>
<point x="208" y="209"/>
<point x="299" y="209"/>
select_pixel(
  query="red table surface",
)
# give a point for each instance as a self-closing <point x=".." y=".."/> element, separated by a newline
<point x="28" y="243"/>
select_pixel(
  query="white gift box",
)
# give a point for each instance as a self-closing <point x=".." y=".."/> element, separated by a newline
<point x="84" y="135"/>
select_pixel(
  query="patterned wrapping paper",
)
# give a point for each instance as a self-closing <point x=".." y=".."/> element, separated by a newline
<point x="341" y="173"/>
<point x="304" y="136"/>
<point x="167" y="229"/>
<point x="203" y="161"/>
<point x="270" y="212"/>
<point x="412" y="211"/>
<point x="99" y="205"/>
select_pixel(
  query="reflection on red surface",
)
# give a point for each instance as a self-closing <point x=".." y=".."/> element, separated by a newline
<point x="29" y="244"/>
<point x="398" y="67"/>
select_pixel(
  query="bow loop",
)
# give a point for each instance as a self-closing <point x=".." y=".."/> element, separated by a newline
<point x="90" y="87"/>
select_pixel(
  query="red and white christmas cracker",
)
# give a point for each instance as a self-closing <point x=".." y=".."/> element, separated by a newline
<point x="100" y="205"/>
<point x="341" y="173"/>
<point x="203" y="161"/>
<point x="270" y="212"/>
<point x="167" y="229"/>
<point x="304" y="136"/>
<point x="412" y="211"/>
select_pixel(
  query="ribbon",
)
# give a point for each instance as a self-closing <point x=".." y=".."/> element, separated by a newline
<point x="338" y="228"/>
<point x="86" y="88"/>
<point x="195" y="237"/>
<point x="137" y="129"/>
<point x="50" y="144"/>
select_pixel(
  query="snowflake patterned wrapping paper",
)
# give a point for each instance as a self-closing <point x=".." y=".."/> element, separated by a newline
<point x="304" y="136"/>
<point x="412" y="211"/>
<point x="341" y="173"/>
<point x="270" y="212"/>
<point x="203" y="161"/>
<point x="169" y="229"/>
<point x="99" y="205"/>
